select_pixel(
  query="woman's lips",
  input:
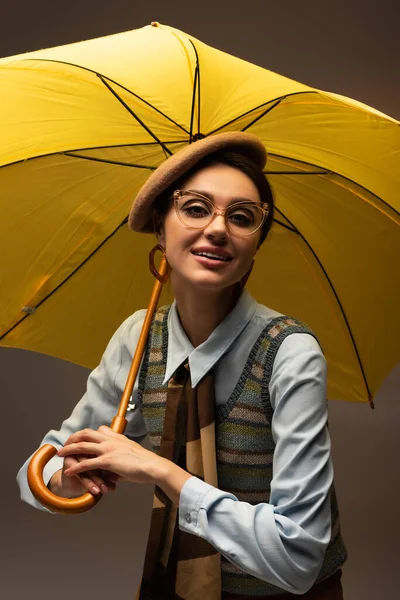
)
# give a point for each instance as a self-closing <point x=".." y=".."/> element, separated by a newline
<point x="213" y="251"/>
<point x="211" y="262"/>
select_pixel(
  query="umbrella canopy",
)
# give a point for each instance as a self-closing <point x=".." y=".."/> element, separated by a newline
<point x="83" y="126"/>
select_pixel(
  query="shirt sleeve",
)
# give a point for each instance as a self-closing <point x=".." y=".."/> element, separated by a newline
<point x="99" y="404"/>
<point x="282" y="542"/>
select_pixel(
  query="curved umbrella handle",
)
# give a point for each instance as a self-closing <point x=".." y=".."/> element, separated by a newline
<point x="40" y="491"/>
<point x="64" y="506"/>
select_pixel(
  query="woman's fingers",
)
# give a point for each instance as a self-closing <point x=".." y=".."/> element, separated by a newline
<point x="87" y="451"/>
<point x="81" y="448"/>
<point x="108" y="432"/>
<point x="87" y="482"/>
<point x="85" y="435"/>
<point x="93" y="480"/>
<point x="100" y="481"/>
<point x="84" y="468"/>
<point x="75" y="486"/>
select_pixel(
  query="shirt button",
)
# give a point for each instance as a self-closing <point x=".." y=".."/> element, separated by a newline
<point x="188" y="518"/>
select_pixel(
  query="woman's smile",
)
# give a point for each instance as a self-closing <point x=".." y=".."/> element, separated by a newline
<point x="212" y="257"/>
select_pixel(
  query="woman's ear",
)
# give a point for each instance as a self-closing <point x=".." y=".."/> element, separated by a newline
<point x="158" y="228"/>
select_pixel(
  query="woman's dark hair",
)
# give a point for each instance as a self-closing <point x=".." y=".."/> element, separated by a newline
<point x="232" y="159"/>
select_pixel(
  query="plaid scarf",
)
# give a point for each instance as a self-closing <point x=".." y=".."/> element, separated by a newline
<point x="178" y="565"/>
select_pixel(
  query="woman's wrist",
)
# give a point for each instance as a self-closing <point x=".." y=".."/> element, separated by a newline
<point x="170" y="478"/>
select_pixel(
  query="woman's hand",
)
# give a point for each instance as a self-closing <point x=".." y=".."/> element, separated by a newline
<point x="95" y="482"/>
<point x="116" y="454"/>
<point x="111" y="452"/>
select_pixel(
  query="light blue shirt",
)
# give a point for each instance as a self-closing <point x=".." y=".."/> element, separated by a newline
<point x="283" y="541"/>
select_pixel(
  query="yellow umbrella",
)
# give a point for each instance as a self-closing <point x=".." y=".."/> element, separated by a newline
<point x="82" y="127"/>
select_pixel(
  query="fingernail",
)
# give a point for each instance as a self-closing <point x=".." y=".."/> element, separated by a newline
<point x="104" y="489"/>
<point x="95" y="489"/>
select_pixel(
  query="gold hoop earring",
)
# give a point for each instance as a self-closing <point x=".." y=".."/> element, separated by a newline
<point x="161" y="277"/>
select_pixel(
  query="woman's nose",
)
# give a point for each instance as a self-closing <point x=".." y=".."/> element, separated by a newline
<point x="217" y="228"/>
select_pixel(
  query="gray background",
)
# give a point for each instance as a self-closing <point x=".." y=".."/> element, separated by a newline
<point x="350" y="48"/>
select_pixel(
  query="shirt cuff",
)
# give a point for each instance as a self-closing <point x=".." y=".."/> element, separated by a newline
<point x="197" y="495"/>
<point x="191" y="501"/>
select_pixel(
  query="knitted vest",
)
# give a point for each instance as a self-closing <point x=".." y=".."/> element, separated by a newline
<point x="245" y="446"/>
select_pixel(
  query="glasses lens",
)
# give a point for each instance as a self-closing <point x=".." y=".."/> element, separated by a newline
<point x="194" y="211"/>
<point x="244" y="218"/>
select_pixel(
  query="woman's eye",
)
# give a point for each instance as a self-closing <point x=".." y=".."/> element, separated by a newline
<point x="242" y="218"/>
<point x="195" y="210"/>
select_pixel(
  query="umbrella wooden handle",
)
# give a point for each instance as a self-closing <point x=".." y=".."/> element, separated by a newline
<point x="64" y="506"/>
<point x="40" y="491"/>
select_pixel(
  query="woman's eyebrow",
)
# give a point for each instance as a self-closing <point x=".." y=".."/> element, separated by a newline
<point x="202" y="192"/>
<point x="234" y="199"/>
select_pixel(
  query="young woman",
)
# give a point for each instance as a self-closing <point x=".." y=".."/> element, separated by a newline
<point x="231" y="393"/>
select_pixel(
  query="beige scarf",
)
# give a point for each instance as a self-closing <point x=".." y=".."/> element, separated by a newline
<point x="178" y="565"/>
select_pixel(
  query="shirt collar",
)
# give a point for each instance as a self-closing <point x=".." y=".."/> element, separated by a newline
<point x="205" y="356"/>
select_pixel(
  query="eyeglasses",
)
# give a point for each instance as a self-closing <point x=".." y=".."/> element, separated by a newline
<point x="196" y="211"/>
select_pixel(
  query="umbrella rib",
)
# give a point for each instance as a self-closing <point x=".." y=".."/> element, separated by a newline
<point x="138" y="119"/>
<point x="362" y="187"/>
<point x="292" y="229"/>
<point x="64" y="280"/>
<point x="16" y="162"/>
<point x="339" y="303"/>
<point x="64" y="62"/>
<point x="160" y="112"/>
<point x="248" y="112"/>
<point x="296" y="172"/>
<point x="198" y="98"/>
<point x="193" y="103"/>
<point x="109" y="162"/>
<point x="198" y="86"/>
<point x="266" y="111"/>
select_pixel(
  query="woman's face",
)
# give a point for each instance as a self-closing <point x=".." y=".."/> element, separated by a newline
<point x="224" y="185"/>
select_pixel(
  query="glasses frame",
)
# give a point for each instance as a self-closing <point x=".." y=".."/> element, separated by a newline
<point x="178" y="194"/>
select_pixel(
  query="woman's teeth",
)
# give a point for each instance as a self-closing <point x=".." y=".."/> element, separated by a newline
<point x="212" y="256"/>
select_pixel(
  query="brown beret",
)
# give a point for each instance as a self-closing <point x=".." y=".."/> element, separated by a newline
<point x="141" y="214"/>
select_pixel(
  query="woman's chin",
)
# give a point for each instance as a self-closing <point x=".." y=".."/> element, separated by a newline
<point x="206" y="282"/>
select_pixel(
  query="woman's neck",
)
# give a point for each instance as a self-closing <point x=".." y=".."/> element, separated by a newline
<point x="201" y="311"/>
